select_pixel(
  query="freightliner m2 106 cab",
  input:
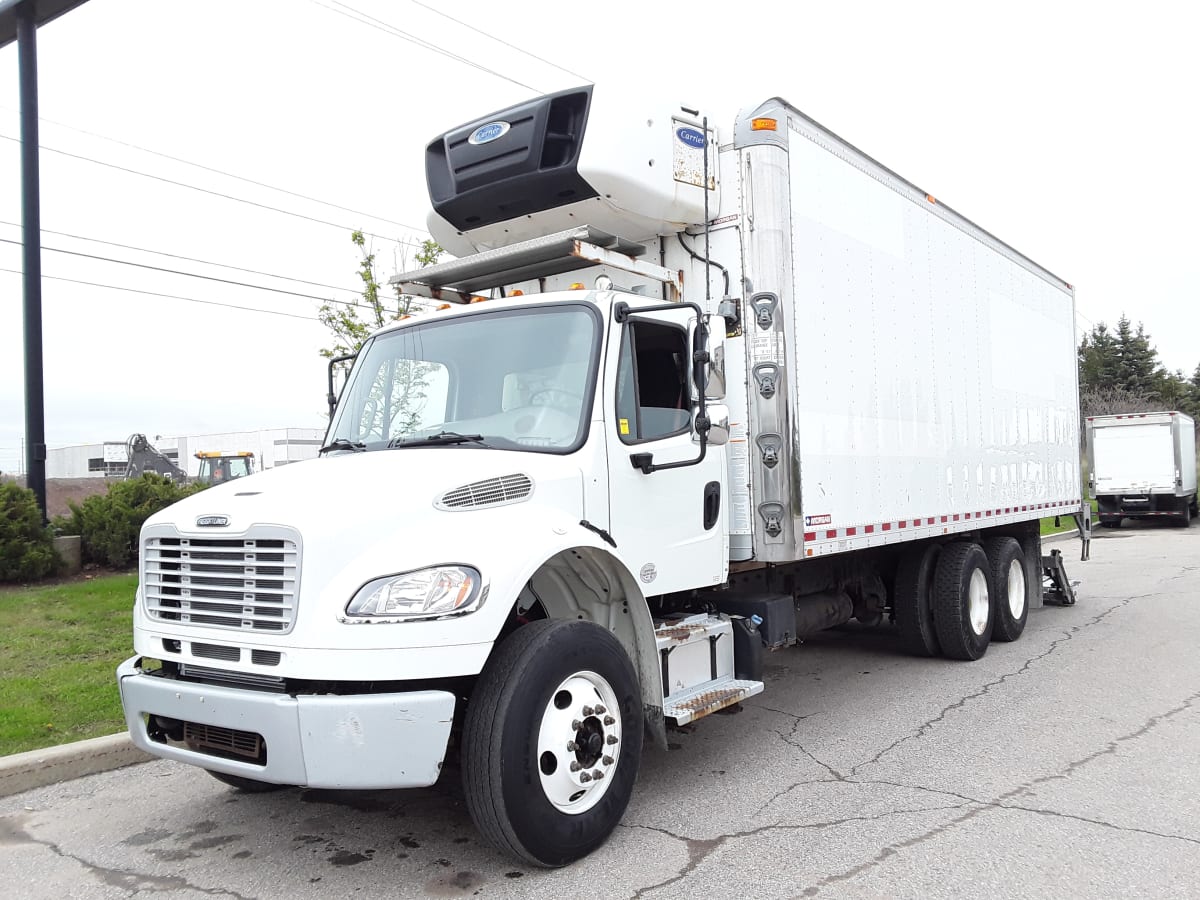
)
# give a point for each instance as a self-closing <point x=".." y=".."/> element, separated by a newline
<point x="696" y="390"/>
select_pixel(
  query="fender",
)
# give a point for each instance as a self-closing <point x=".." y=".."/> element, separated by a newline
<point x="577" y="575"/>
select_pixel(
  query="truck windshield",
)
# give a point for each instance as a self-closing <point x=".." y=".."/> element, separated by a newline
<point x="510" y="379"/>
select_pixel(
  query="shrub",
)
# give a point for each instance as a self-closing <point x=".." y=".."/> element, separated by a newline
<point x="26" y="545"/>
<point x="109" y="523"/>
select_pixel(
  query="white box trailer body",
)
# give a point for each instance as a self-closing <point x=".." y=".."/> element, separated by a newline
<point x="930" y="368"/>
<point x="1142" y="465"/>
<point x="699" y="388"/>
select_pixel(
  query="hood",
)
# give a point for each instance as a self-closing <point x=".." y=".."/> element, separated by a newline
<point x="371" y="492"/>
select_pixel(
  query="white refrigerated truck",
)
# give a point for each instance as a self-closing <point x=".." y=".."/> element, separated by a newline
<point x="1142" y="465"/>
<point x="695" y="392"/>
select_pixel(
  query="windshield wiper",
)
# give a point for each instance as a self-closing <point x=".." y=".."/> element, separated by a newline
<point x="343" y="444"/>
<point x="444" y="438"/>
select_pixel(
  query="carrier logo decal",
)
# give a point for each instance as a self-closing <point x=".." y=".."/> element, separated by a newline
<point x="649" y="572"/>
<point x="691" y="136"/>
<point x="212" y="521"/>
<point x="817" y="520"/>
<point x="485" y="134"/>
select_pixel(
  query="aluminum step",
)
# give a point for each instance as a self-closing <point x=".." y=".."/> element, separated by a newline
<point x="707" y="698"/>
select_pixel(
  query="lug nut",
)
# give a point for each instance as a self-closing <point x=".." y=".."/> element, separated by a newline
<point x="611" y="739"/>
<point x="571" y="747"/>
<point x="608" y="760"/>
<point x="576" y="725"/>
<point x="587" y="710"/>
<point x="600" y="710"/>
<point x="575" y="766"/>
<point x="609" y="720"/>
<point x="597" y="775"/>
<point x="585" y="777"/>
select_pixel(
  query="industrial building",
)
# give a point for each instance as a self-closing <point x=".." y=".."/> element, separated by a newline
<point x="271" y="447"/>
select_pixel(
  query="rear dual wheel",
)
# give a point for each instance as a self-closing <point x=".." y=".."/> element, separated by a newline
<point x="1011" y="590"/>
<point x="962" y="601"/>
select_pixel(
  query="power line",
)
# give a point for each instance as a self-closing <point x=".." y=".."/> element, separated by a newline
<point x="188" y="162"/>
<point x="206" y="262"/>
<point x="193" y="187"/>
<point x="500" y="41"/>
<point x="115" y="287"/>
<point x="388" y="28"/>
<point x="125" y="262"/>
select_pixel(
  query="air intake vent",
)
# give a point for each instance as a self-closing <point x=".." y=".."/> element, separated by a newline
<point x="215" y="651"/>
<point x="491" y="492"/>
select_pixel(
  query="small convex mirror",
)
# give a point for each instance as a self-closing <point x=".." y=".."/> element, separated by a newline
<point x="715" y="372"/>
<point x="718" y="430"/>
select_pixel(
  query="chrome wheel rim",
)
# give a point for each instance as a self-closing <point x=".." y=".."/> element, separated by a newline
<point x="978" y="602"/>
<point x="579" y="742"/>
<point x="1016" y="588"/>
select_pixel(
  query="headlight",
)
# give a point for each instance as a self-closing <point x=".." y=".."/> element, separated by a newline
<point x="439" y="591"/>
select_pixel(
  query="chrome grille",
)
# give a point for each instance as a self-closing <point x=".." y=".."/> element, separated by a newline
<point x="248" y="584"/>
<point x="490" y="492"/>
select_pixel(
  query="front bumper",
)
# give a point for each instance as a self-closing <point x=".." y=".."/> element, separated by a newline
<point x="322" y="741"/>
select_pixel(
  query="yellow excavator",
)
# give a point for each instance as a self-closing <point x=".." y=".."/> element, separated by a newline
<point x="216" y="468"/>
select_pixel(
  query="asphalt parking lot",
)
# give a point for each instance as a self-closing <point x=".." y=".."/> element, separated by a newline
<point x="1065" y="764"/>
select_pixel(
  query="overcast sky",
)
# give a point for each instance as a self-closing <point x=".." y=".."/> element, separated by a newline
<point x="1066" y="129"/>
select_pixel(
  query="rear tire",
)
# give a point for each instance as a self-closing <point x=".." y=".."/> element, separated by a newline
<point x="912" y="600"/>
<point x="1011" y="596"/>
<point x="1186" y="518"/>
<point x="246" y="785"/>
<point x="533" y="740"/>
<point x="962" y="605"/>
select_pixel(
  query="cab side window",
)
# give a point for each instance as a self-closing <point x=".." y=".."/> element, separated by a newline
<point x="652" y="385"/>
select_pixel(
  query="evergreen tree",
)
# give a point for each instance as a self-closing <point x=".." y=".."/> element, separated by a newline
<point x="1138" y="370"/>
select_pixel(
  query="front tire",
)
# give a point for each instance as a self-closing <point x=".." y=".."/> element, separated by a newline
<point x="1011" y="597"/>
<point x="962" y="604"/>
<point x="552" y="741"/>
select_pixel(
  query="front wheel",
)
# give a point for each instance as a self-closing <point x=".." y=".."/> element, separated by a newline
<point x="552" y="741"/>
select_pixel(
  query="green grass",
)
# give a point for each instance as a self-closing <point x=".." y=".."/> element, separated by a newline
<point x="1068" y="524"/>
<point x="59" y="650"/>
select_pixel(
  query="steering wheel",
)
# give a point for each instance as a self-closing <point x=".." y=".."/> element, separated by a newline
<point x="557" y="398"/>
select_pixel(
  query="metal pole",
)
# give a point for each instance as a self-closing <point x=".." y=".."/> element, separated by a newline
<point x="31" y="236"/>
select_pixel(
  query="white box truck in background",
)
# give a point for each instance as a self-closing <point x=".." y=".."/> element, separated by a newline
<point x="1142" y="465"/>
<point x="695" y="393"/>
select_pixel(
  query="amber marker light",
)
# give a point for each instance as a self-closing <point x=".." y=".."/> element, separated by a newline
<point x="764" y="124"/>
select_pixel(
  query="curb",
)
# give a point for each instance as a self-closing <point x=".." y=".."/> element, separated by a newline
<point x="37" y="768"/>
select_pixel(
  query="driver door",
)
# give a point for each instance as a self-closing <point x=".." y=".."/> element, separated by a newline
<point x="669" y="525"/>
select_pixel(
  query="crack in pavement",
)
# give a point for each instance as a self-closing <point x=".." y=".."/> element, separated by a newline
<point x="699" y="849"/>
<point x="927" y="726"/>
<point x="1024" y="789"/>
<point x="12" y="831"/>
<point x="796" y="720"/>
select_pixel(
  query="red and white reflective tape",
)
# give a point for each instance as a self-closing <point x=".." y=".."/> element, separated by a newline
<point x="829" y="534"/>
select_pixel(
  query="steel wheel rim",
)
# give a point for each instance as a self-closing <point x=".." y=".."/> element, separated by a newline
<point x="978" y="602"/>
<point x="1016" y="588"/>
<point x="580" y="735"/>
